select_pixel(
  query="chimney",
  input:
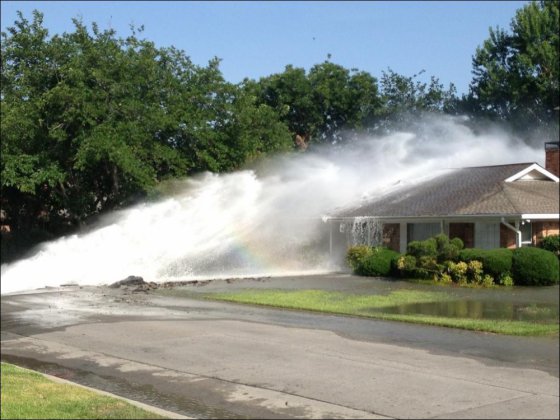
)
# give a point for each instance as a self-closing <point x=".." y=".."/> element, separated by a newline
<point x="552" y="160"/>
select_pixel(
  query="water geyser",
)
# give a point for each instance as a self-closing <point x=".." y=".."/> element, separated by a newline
<point x="264" y="221"/>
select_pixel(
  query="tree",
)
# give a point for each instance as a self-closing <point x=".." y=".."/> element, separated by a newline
<point x="289" y="94"/>
<point x="92" y="121"/>
<point x="404" y="98"/>
<point x="346" y="100"/>
<point x="516" y="73"/>
<point x="83" y="116"/>
<point x="321" y="105"/>
<point x="254" y="129"/>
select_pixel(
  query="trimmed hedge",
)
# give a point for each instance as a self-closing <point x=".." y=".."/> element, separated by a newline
<point x="377" y="263"/>
<point x="495" y="261"/>
<point x="534" y="267"/>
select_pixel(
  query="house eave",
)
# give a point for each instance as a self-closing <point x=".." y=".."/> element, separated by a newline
<point x="538" y="216"/>
<point x="449" y="217"/>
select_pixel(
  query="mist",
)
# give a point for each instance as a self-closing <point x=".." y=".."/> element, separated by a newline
<point x="261" y="221"/>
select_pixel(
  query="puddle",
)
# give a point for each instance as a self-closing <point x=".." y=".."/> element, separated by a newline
<point x="480" y="309"/>
<point x="348" y="283"/>
<point x="144" y="393"/>
<point x="531" y="304"/>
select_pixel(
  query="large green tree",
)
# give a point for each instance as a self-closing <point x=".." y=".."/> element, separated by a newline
<point x="321" y="105"/>
<point x="516" y="72"/>
<point x="82" y="121"/>
<point x="91" y="121"/>
<point x="346" y="100"/>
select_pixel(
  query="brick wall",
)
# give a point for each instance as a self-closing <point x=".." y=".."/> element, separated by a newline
<point x="507" y="237"/>
<point x="542" y="229"/>
<point x="552" y="161"/>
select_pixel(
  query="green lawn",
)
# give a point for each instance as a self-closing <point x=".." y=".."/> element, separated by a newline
<point x="371" y="306"/>
<point x="29" y="395"/>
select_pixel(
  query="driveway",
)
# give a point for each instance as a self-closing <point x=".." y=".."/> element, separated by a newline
<point x="219" y="360"/>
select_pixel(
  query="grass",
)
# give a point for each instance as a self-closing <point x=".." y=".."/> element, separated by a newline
<point x="28" y="395"/>
<point x="371" y="306"/>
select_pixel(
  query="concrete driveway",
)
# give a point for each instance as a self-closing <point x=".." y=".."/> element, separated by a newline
<point x="218" y="360"/>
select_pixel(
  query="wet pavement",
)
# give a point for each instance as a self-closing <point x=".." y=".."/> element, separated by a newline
<point x="218" y="360"/>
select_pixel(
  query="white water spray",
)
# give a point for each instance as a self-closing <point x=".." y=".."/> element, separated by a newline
<point x="258" y="222"/>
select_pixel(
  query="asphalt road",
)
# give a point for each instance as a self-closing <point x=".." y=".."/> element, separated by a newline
<point x="218" y="360"/>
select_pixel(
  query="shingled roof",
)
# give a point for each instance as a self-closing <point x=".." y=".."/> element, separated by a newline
<point x="466" y="191"/>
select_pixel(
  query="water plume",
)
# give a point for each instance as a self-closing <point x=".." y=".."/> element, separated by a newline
<point x="263" y="221"/>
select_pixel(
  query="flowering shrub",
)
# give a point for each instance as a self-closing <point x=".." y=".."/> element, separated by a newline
<point x="487" y="280"/>
<point x="474" y="271"/>
<point x="506" y="280"/>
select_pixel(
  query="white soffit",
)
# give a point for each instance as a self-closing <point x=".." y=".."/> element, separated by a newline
<point x="541" y="216"/>
<point x="533" y="172"/>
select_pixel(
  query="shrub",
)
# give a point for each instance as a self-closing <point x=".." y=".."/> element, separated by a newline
<point x="474" y="271"/>
<point x="551" y="243"/>
<point x="427" y="248"/>
<point x="356" y="254"/>
<point x="457" y="243"/>
<point x="422" y="273"/>
<point x="534" y="267"/>
<point x="406" y="263"/>
<point x="506" y="280"/>
<point x="458" y="271"/>
<point x="439" y="248"/>
<point x="405" y="266"/>
<point x="376" y="263"/>
<point x="444" y="278"/>
<point x="487" y="280"/>
<point x="495" y="261"/>
<point x="446" y="249"/>
<point x="427" y="262"/>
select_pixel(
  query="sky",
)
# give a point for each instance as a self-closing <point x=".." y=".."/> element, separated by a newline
<point x="258" y="38"/>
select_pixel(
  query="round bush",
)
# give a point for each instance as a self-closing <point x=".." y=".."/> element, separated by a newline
<point x="534" y="267"/>
<point x="494" y="261"/>
<point x="356" y="254"/>
<point x="378" y="263"/>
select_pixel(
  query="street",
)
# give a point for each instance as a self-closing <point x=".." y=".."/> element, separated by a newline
<point x="217" y="360"/>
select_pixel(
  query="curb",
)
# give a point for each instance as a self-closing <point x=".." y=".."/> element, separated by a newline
<point x="138" y="404"/>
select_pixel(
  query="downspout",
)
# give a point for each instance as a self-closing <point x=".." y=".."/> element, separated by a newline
<point x="517" y="232"/>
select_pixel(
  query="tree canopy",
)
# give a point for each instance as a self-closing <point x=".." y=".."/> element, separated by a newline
<point x="516" y="72"/>
<point x="92" y="121"/>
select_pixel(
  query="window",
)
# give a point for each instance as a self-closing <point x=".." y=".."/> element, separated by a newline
<point x="526" y="233"/>
<point x="422" y="231"/>
<point x="487" y="235"/>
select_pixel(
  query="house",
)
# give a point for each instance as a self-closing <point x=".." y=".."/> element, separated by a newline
<point x="487" y="207"/>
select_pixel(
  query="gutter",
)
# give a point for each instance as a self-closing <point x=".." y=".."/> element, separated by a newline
<point x="437" y="218"/>
<point x="517" y="232"/>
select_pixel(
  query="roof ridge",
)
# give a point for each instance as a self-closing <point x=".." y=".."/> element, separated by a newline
<point x="507" y="196"/>
<point x="497" y="166"/>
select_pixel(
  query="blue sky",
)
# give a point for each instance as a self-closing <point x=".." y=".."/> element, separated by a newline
<point x="256" y="39"/>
